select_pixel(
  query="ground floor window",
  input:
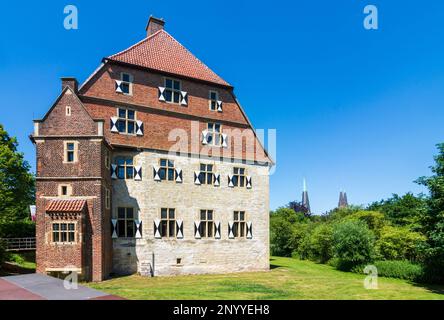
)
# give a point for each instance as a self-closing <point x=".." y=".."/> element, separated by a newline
<point x="63" y="232"/>
<point x="125" y="222"/>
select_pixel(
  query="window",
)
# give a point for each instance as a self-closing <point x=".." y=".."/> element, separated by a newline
<point x="126" y="122"/>
<point x="238" y="177"/>
<point x="70" y="152"/>
<point x="172" y="91"/>
<point x="125" y="222"/>
<point x="65" y="190"/>
<point x="214" y="96"/>
<point x="167" y="170"/>
<point x="107" y="198"/>
<point x="206" y="223"/>
<point x="107" y="159"/>
<point x="214" y="134"/>
<point x="68" y="110"/>
<point x="167" y="223"/>
<point x="206" y="174"/>
<point x="125" y="168"/>
<point x="239" y="224"/>
<point x="127" y="83"/>
<point x="63" y="232"/>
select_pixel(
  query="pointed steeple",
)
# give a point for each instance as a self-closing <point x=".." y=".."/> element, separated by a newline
<point x="343" y="203"/>
<point x="305" y="200"/>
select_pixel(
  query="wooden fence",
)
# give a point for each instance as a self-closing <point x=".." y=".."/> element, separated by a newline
<point x="18" y="244"/>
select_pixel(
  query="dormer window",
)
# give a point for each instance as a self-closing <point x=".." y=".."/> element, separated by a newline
<point x="172" y="91"/>
<point x="213" y="97"/>
<point x="125" y="85"/>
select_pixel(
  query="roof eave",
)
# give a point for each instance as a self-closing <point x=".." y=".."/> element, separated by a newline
<point x="227" y="86"/>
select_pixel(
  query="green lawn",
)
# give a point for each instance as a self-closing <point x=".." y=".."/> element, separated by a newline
<point x="18" y="263"/>
<point x="288" y="279"/>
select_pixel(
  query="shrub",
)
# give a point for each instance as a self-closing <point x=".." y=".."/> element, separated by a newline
<point x="317" y="245"/>
<point x="280" y="237"/>
<point x="353" y="244"/>
<point x="373" y="219"/>
<point x="2" y="253"/>
<point x="400" y="244"/>
<point x="17" y="229"/>
<point x="396" y="269"/>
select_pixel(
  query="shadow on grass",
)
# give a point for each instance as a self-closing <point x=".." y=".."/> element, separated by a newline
<point x="434" y="288"/>
<point x="12" y="269"/>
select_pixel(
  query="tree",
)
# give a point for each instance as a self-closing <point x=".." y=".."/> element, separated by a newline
<point x="402" y="211"/>
<point x="353" y="244"/>
<point x="373" y="219"/>
<point x="433" y="221"/>
<point x="280" y="237"/>
<point x="16" y="183"/>
<point x="298" y="207"/>
<point x="396" y="243"/>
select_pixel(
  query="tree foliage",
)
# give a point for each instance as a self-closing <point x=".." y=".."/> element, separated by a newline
<point x="16" y="183"/>
<point x="433" y="221"/>
<point x="353" y="243"/>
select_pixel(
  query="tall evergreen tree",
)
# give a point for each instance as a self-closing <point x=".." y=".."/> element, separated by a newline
<point x="17" y="186"/>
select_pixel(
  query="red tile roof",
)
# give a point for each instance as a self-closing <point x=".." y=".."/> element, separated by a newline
<point x="65" y="205"/>
<point x="160" y="51"/>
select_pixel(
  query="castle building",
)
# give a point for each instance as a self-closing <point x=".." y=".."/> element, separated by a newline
<point x="150" y="166"/>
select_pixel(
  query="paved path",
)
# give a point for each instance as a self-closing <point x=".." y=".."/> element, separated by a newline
<point x="41" y="287"/>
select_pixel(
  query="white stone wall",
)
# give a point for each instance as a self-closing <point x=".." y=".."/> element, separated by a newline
<point x="197" y="255"/>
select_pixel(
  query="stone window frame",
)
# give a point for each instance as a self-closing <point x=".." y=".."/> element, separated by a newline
<point x="68" y="190"/>
<point x="107" y="159"/>
<point x="68" y="111"/>
<point x="214" y="134"/>
<point x="238" y="177"/>
<point x="172" y="90"/>
<point x="206" y="223"/>
<point x="204" y="174"/>
<point x="169" y="222"/>
<point x="67" y="222"/>
<point x="239" y="224"/>
<point x="212" y="103"/>
<point x="107" y="198"/>
<point x="128" y="82"/>
<point x="127" y="120"/>
<point x="75" y="151"/>
<point x="126" y="221"/>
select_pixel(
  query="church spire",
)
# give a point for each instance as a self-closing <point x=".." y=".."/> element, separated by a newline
<point x="305" y="200"/>
<point x="343" y="203"/>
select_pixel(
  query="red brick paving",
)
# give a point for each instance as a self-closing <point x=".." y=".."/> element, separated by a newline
<point x="9" y="291"/>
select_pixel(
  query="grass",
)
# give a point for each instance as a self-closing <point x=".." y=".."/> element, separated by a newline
<point x="288" y="279"/>
<point x="18" y="263"/>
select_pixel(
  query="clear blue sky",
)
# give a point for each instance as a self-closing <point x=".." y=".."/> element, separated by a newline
<point x="354" y="109"/>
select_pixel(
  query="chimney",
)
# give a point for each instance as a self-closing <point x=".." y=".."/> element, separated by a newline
<point x="154" y="25"/>
<point x="70" y="82"/>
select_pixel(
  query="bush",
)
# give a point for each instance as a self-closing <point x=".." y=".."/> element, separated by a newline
<point x="280" y="237"/>
<point x="400" y="244"/>
<point x="317" y="245"/>
<point x="373" y="219"/>
<point x="353" y="244"/>
<point x="17" y="229"/>
<point x="397" y="269"/>
<point x="2" y="253"/>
